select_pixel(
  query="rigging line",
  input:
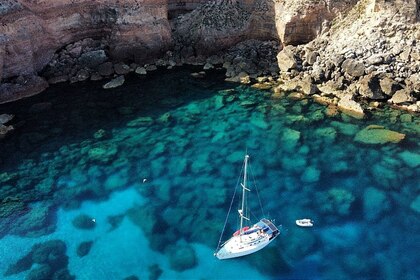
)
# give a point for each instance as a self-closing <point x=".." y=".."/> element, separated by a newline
<point x="230" y="207"/>
<point x="256" y="189"/>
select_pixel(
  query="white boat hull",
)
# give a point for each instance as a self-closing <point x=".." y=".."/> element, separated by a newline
<point x="233" y="248"/>
<point x="304" y="223"/>
<point x="253" y="240"/>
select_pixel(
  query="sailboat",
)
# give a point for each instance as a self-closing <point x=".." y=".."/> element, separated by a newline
<point x="247" y="239"/>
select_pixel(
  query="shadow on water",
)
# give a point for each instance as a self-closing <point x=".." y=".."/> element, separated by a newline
<point x="70" y="113"/>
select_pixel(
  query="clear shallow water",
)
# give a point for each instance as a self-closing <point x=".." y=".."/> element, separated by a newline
<point x="81" y="153"/>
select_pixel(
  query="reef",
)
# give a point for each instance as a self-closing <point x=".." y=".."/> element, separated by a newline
<point x="51" y="260"/>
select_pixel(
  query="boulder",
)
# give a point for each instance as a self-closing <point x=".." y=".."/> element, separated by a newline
<point x="93" y="59"/>
<point x="116" y="181"/>
<point x="413" y="82"/>
<point x="23" y="264"/>
<point x="102" y="152"/>
<point x="311" y="56"/>
<point x="5" y="118"/>
<point x="34" y="223"/>
<point x="154" y="272"/>
<point x="412" y="159"/>
<point x="134" y="277"/>
<point x="375" y="59"/>
<point x="311" y="175"/>
<point x="345" y="128"/>
<point x="208" y="66"/>
<point x="121" y="68"/>
<point x="415" y="204"/>
<point x="402" y="96"/>
<point x="307" y="86"/>
<point x="58" y="79"/>
<point x="388" y="86"/>
<point x="116" y="82"/>
<point x="141" y="70"/>
<point x="106" y="69"/>
<point x="41" y="272"/>
<point x="369" y="87"/>
<point x="375" y="134"/>
<point x="4" y="130"/>
<point x="145" y="217"/>
<point x="375" y="203"/>
<point x="182" y="257"/>
<point x="48" y="251"/>
<point x="286" y="60"/>
<point x="336" y="201"/>
<point x="350" y="107"/>
<point x="84" y="248"/>
<point x="290" y="138"/>
<point x="353" y="67"/>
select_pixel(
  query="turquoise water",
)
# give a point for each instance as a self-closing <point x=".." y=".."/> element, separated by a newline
<point x="136" y="181"/>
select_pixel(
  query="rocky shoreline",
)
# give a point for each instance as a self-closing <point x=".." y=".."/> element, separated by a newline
<point x="353" y="56"/>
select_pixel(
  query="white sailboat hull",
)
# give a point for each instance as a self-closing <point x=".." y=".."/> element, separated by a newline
<point x="233" y="248"/>
<point x="251" y="241"/>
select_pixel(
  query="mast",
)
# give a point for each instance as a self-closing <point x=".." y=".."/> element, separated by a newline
<point x="241" y="211"/>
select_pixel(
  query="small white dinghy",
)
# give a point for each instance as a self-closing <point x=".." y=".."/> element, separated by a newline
<point x="305" y="223"/>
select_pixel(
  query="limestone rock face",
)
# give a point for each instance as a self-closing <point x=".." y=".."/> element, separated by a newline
<point x="31" y="85"/>
<point x="32" y="31"/>
<point x="300" y="22"/>
<point x="286" y="60"/>
<point x="221" y="24"/>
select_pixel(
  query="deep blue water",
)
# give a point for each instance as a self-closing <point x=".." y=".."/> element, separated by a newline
<point x="137" y="181"/>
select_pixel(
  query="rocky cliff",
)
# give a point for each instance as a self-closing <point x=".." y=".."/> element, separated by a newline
<point x="372" y="54"/>
<point x="33" y="30"/>
<point x="338" y="41"/>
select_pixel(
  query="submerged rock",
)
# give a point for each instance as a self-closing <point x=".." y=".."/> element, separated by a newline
<point x="182" y="257"/>
<point x="290" y="138"/>
<point x="116" y="82"/>
<point x="84" y="248"/>
<point x="271" y="262"/>
<point x="415" y="205"/>
<point x="141" y="71"/>
<point x="83" y="222"/>
<point x="34" y="223"/>
<point x="116" y="181"/>
<point x="350" y="107"/>
<point x="5" y="118"/>
<point x="410" y="158"/>
<point x="336" y="201"/>
<point x="375" y="134"/>
<point x="154" y="271"/>
<point x="133" y="277"/>
<point x="102" y="152"/>
<point x="344" y="236"/>
<point x="5" y="129"/>
<point x="311" y="175"/>
<point x="345" y="128"/>
<point x="52" y="253"/>
<point x="41" y="272"/>
<point x="375" y="203"/>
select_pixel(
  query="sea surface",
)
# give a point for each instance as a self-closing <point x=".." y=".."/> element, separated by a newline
<point x="136" y="183"/>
